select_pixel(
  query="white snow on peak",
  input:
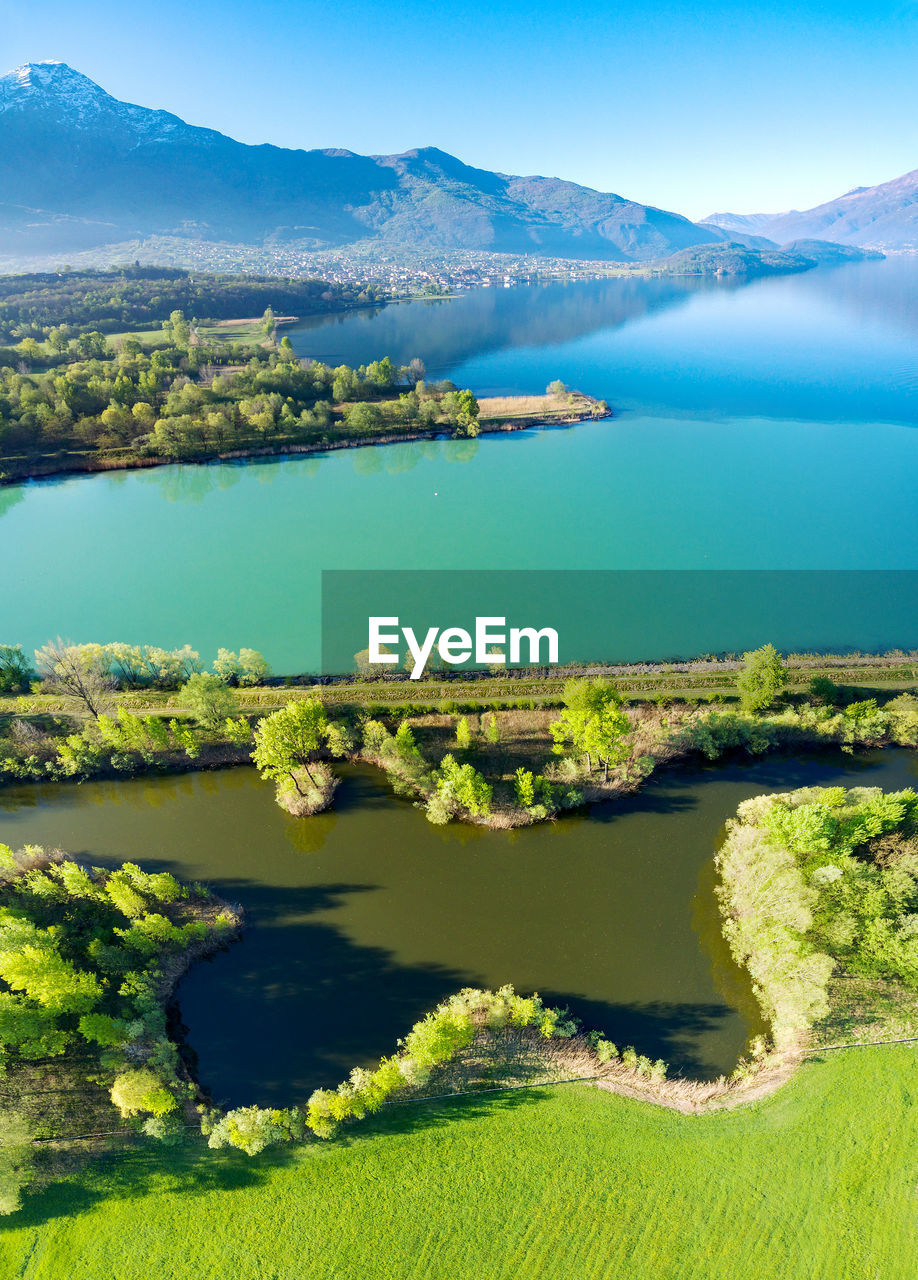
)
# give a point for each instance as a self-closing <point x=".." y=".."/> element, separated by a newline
<point x="56" y="89"/>
<point x="49" y="77"/>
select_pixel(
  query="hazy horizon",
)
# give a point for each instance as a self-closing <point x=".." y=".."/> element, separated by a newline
<point x="693" y="108"/>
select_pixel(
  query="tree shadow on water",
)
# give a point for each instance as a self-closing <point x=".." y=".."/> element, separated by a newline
<point x="675" y="1032"/>
<point x="296" y="1003"/>
<point x="681" y="786"/>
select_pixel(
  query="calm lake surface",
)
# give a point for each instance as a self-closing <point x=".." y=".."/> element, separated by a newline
<point x="361" y="919"/>
<point x="768" y="426"/>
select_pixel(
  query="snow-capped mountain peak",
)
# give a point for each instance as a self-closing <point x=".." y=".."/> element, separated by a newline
<point x="60" y="96"/>
<point x="56" y="81"/>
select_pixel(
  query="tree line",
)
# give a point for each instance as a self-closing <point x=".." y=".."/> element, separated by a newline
<point x="85" y="962"/>
<point x="814" y="882"/>
<point x="186" y="396"/>
<point x="139" y="297"/>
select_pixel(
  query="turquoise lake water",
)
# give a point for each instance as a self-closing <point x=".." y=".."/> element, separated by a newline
<point x="765" y="426"/>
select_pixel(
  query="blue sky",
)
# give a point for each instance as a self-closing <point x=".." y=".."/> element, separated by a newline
<point x="694" y="107"/>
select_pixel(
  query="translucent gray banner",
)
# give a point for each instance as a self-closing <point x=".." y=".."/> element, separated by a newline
<point x="466" y="619"/>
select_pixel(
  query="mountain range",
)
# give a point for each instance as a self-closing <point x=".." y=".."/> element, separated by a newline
<point x="79" y="169"/>
<point x="881" y="217"/>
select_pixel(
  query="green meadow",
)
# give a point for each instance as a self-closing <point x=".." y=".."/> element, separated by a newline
<point x="567" y="1183"/>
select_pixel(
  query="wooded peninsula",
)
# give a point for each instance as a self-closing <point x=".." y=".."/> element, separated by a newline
<point x="77" y="394"/>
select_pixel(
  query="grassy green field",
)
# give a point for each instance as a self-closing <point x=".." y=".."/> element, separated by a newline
<point x="564" y="1183"/>
<point x="148" y="337"/>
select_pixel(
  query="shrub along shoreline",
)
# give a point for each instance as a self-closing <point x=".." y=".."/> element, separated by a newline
<point x="88" y="462"/>
<point x="117" y="710"/>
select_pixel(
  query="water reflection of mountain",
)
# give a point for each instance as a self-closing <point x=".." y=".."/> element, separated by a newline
<point x="447" y="332"/>
<point x="876" y="292"/>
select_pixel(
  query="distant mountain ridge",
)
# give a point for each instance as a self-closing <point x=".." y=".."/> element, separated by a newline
<point x="881" y="217"/>
<point x="79" y="169"/>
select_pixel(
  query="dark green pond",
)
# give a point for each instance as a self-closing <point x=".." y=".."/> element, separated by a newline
<point x="360" y="920"/>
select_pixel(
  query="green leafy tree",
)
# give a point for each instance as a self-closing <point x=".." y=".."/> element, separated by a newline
<point x="593" y="724"/>
<point x="381" y="373"/>
<point x="92" y="345"/>
<point x="238" y="731"/>
<point x="156" y="731"/>
<point x="33" y="965"/>
<point x="903" y="719"/>
<point x="186" y="738"/>
<point x="79" y="756"/>
<point x="524" y="786"/>
<point x="463" y="734"/>
<point x="405" y="743"/>
<point x="492" y="730"/>
<point x="761" y="679"/>
<point x="339" y="739"/>
<point x="178" y="329"/>
<point x="30" y="1030"/>
<point x="139" y="1090"/>
<point x="247" y="667"/>
<point x="364" y="417"/>
<point x="346" y="384"/>
<point x="167" y="1129"/>
<point x="252" y="1129"/>
<point x="124" y="895"/>
<point x="287" y="741"/>
<point x="14" y="669"/>
<point x="226" y="666"/>
<point x="209" y="700"/>
<point x="104" y="1030"/>
<point x="825" y="690"/>
<point x="462" y="409"/>
<point x="462" y="786"/>
<point x="135" y="735"/>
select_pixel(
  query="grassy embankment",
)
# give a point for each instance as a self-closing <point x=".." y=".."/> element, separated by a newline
<point x="817" y="1181"/>
<point x="703" y="680"/>
<point x="511" y="413"/>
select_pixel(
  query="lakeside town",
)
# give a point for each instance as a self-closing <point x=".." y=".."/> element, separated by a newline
<point x="399" y="273"/>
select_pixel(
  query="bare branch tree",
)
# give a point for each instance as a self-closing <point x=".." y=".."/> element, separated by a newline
<point x="80" y="670"/>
